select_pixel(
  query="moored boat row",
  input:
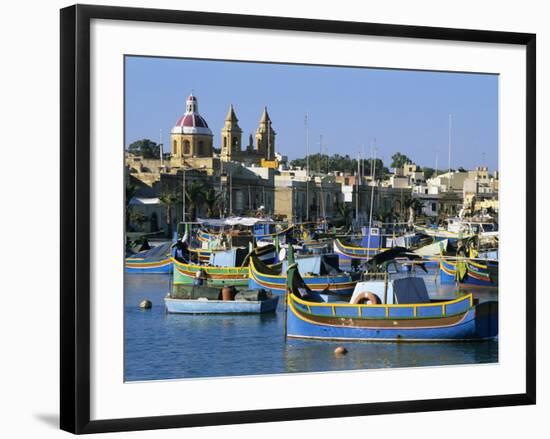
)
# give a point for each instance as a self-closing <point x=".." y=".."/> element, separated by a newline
<point x="211" y="274"/>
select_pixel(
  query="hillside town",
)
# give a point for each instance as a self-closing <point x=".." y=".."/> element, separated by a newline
<point x="228" y="178"/>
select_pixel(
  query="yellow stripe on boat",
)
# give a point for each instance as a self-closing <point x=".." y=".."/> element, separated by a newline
<point x="303" y="318"/>
<point x="469" y="297"/>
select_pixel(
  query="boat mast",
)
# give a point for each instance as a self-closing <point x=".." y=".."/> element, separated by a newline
<point x="160" y="150"/>
<point x="373" y="176"/>
<point x="230" y="193"/>
<point x="222" y="193"/>
<point x="268" y="138"/>
<point x="450" y="128"/>
<point x="307" y="169"/>
<point x="362" y="162"/>
<point x="322" y="198"/>
<point x="184" y="194"/>
<point x="326" y="152"/>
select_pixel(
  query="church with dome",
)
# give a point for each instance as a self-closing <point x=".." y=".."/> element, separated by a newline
<point x="243" y="174"/>
<point x="191" y="140"/>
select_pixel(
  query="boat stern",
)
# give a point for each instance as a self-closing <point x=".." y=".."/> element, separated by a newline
<point x="486" y="320"/>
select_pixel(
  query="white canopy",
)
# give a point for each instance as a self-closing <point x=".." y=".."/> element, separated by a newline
<point x="234" y="221"/>
<point x="142" y="200"/>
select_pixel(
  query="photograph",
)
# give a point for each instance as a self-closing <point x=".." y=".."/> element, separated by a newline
<point x="299" y="218"/>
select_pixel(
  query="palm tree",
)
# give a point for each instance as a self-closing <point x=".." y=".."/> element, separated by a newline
<point x="194" y="194"/>
<point x="211" y="200"/>
<point x="168" y="199"/>
<point x="131" y="190"/>
<point x="345" y="212"/>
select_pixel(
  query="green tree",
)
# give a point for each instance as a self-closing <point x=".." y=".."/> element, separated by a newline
<point x="131" y="190"/>
<point x="212" y="200"/>
<point x="344" y="210"/>
<point x="137" y="219"/>
<point x="379" y="170"/>
<point x="428" y="172"/>
<point x="145" y="148"/>
<point x="343" y="163"/>
<point x="399" y="160"/>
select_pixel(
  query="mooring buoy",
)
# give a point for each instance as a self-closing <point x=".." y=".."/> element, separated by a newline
<point x="145" y="304"/>
<point x="340" y="351"/>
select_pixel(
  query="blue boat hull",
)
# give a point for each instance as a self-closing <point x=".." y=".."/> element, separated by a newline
<point x="347" y="253"/>
<point x="478" y="323"/>
<point x="145" y="266"/>
<point x="318" y="285"/>
<point x="184" y="306"/>
<point x="156" y="260"/>
<point x="337" y="285"/>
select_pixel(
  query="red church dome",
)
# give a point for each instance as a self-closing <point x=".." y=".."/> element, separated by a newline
<point x="191" y="122"/>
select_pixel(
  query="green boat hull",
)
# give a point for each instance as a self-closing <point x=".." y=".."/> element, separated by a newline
<point x="214" y="276"/>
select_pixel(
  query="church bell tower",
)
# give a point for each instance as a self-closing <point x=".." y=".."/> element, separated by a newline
<point x="265" y="138"/>
<point x="231" y="137"/>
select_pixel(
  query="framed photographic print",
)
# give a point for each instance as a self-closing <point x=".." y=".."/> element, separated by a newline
<point x="341" y="214"/>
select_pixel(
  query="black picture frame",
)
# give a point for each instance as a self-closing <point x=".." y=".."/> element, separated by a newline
<point x="75" y="217"/>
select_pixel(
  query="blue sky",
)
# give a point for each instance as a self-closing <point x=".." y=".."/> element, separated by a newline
<point x="405" y="111"/>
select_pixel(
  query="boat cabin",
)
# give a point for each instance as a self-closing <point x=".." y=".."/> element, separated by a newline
<point x="399" y="291"/>
<point x="320" y="265"/>
<point x="458" y="225"/>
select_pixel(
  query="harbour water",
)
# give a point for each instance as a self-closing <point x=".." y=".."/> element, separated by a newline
<point x="168" y="346"/>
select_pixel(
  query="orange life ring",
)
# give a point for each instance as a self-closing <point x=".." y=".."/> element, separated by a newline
<point x="366" y="297"/>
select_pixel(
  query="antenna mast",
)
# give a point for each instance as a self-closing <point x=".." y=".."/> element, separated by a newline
<point x="450" y="128"/>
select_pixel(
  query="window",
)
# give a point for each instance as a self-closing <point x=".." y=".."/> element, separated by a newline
<point x="225" y="142"/>
<point x="186" y="147"/>
<point x="201" y="148"/>
<point x="175" y="148"/>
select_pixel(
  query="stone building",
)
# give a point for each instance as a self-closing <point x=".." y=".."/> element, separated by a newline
<point x="231" y="137"/>
<point x="262" y="153"/>
<point x="190" y="137"/>
<point x="300" y="197"/>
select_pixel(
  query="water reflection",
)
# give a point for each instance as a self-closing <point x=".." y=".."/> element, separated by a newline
<point x="164" y="346"/>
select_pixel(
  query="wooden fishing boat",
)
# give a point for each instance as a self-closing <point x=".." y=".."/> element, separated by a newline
<point x="406" y="314"/>
<point x="189" y="299"/>
<point x="467" y="271"/>
<point x="185" y="273"/>
<point x="156" y="260"/>
<point x="326" y="279"/>
<point x="227" y="267"/>
<point x="442" y="233"/>
<point x="347" y="252"/>
<point x="267" y="253"/>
